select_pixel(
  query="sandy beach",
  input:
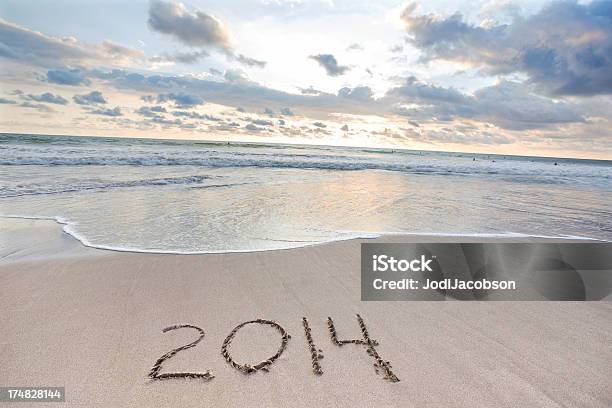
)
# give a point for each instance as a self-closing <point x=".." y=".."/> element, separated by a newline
<point x="92" y="320"/>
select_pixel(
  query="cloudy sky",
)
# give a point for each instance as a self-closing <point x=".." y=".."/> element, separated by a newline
<point x="512" y="77"/>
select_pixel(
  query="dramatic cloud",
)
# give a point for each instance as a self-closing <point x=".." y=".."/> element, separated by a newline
<point x="150" y="111"/>
<point x="116" y="111"/>
<point x="196" y="29"/>
<point x="48" y="97"/>
<point x="160" y="120"/>
<point x="447" y="135"/>
<point x="31" y="47"/>
<point x="196" y="115"/>
<point x="416" y="91"/>
<point x="246" y="94"/>
<point x="92" y="98"/>
<point x="236" y="76"/>
<point x="508" y="105"/>
<point x="566" y="48"/>
<point x="359" y="93"/>
<point x="180" y="99"/>
<point x="538" y="63"/>
<point x="67" y="77"/>
<point x="23" y="44"/>
<point x="511" y="105"/>
<point x="38" y="106"/>
<point x="115" y="51"/>
<point x="330" y="64"/>
<point x="253" y="128"/>
<point x="261" y="122"/>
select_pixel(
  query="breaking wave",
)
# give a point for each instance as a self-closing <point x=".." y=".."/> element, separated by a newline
<point x="37" y="189"/>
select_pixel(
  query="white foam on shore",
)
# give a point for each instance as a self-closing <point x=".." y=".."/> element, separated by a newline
<point x="69" y="228"/>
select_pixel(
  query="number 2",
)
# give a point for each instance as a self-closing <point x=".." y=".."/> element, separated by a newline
<point x="154" y="373"/>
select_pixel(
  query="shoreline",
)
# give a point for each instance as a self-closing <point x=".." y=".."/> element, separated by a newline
<point x="92" y="320"/>
<point x="68" y="228"/>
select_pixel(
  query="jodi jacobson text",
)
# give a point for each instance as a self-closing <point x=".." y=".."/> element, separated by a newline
<point x="453" y="284"/>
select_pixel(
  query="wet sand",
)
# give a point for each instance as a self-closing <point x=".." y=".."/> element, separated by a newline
<point x="92" y="321"/>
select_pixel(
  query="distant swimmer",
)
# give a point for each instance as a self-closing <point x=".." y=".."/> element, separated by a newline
<point x="556" y="164"/>
<point x="473" y="159"/>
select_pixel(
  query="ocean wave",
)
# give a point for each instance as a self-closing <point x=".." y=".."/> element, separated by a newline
<point x="70" y="228"/>
<point x="23" y="151"/>
<point x="301" y="162"/>
<point x="36" y="189"/>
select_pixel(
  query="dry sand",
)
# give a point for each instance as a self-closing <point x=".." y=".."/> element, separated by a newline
<point x="92" y="321"/>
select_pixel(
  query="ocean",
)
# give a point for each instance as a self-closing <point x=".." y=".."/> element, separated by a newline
<point x="173" y="196"/>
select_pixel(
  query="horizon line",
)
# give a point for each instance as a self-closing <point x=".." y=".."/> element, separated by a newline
<point x="307" y="144"/>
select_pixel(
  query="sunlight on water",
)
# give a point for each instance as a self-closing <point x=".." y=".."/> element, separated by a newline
<point x="201" y="197"/>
